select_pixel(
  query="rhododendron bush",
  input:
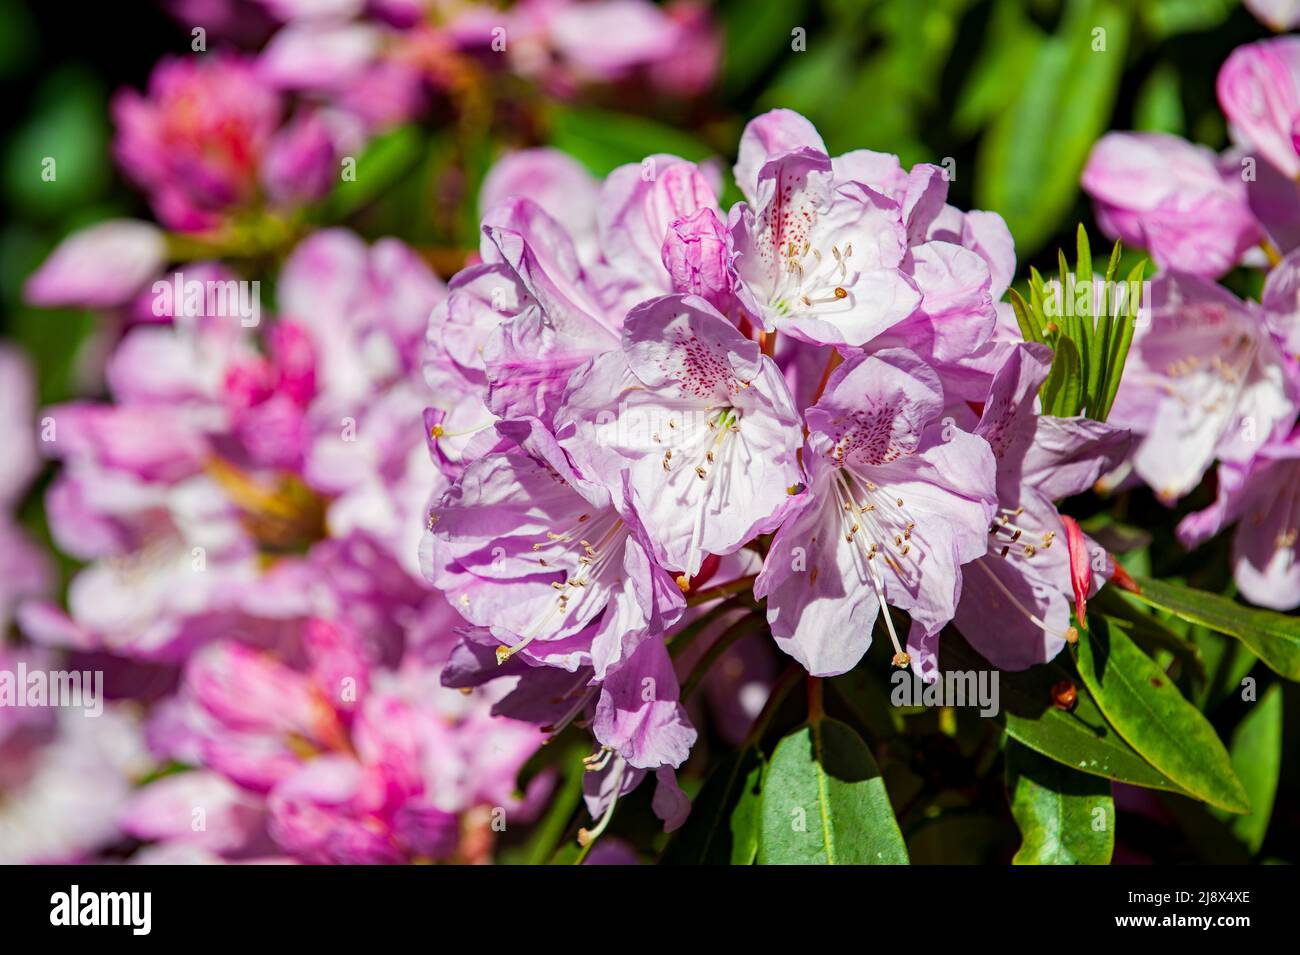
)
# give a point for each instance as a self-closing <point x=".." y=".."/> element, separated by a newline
<point x="609" y="431"/>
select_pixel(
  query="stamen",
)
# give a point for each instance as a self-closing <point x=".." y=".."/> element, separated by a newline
<point x="585" y="836"/>
<point x="1070" y="635"/>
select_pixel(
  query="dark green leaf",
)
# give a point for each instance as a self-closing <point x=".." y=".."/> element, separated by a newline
<point x="1066" y="817"/>
<point x="1145" y="707"/>
<point x="757" y="33"/>
<point x="824" y="802"/>
<point x="1079" y="737"/>
<point x="722" y="828"/>
<point x="1274" y="637"/>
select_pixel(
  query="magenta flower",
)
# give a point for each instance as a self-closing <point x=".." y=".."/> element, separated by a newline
<point x="896" y="502"/>
<point x="195" y="142"/>
<point x="1185" y="205"/>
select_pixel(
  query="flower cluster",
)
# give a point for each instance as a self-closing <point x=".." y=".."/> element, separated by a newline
<point x="1212" y="377"/>
<point x="814" y="399"/>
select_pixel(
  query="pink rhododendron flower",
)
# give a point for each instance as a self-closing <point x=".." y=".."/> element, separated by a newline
<point x="1259" y="91"/>
<point x="699" y="423"/>
<point x="896" y="502"/>
<point x="1279" y="15"/>
<point x="815" y="258"/>
<point x="1177" y="200"/>
<point x="1204" y="379"/>
<point x="1014" y="604"/>
<point x="196" y="140"/>
<point x="1259" y="495"/>
<point x="99" y="267"/>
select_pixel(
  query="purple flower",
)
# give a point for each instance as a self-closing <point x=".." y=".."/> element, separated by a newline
<point x="1014" y="604"/>
<point x="1260" y="496"/>
<point x="896" y="502"/>
<point x="698" y="422"/>
<point x="1204" y="379"/>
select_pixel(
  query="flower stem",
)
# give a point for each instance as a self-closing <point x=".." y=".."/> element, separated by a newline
<point x="731" y="587"/>
<point x="816" y="711"/>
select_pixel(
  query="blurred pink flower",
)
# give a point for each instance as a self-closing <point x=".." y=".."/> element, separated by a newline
<point x="102" y="266"/>
<point x="1259" y="91"/>
<point x="1179" y="201"/>
<point x="196" y="140"/>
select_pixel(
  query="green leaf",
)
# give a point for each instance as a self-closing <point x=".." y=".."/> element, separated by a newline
<point x="824" y="802"/>
<point x="1257" y="757"/>
<point x="1029" y="329"/>
<point x="1150" y="634"/>
<point x="757" y="33"/>
<point x="867" y="701"/>
<point x="1066" y="817"/>
<point x="1080" y="737"/>
<point x="722" y="828"/>
<point x="1145" y="707"/>
<point x="385" y="160"/>
<point x="546" y="834"/>
<point x="1062" y="392"/>
<point x="1030" y="159"/>
<point x="1164" y="18"/>
<point x="1010" y="44"/>
<point x="1274" y="637"/>
<point x="1159" y="106"/>
<point x="1119" y="337"/>
<point x="1112" y="267"/>
<point x="56" y="161"/>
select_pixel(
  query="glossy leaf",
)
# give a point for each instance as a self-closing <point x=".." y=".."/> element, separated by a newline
<point x="1274" y="637"/>
<point x="1078" y="737"/>
<point x="1065" y="817"/>
<point x="824" y="802"/>
<point x="1145" y="707"/>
